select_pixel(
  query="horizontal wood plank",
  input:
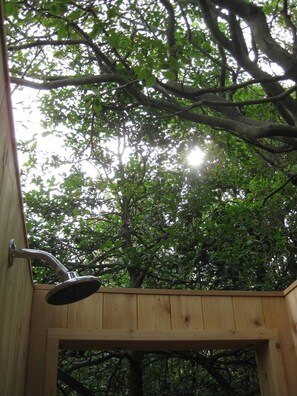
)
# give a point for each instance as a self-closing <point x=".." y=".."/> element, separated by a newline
<point x="179" y="292"/>
<point x="159" y="340"/>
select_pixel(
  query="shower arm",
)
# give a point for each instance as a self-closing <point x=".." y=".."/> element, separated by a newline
<point x="54" y="263"/>
<point x="72" y="288"/>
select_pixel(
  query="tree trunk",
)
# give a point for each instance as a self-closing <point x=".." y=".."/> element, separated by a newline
<point x="136" y="383"/>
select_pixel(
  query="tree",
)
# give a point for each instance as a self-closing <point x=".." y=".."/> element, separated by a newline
<point x="229" y="66"/>
<point x="177" y="374"/>
<point x="136" y="84"/>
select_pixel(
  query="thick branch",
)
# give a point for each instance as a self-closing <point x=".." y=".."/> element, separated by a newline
<point x="288" y="106"/>
<point x="79" y="81"/>
<point x="254" y="16"/>
<point x="241" y="125"/>
<point x="170" y="25"/>
<point x="191" y="92"/>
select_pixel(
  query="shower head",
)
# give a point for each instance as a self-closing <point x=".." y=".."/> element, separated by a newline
<point x="72" y="288"/>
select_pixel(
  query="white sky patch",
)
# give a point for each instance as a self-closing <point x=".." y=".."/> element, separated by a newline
<point x="27" y="120"/>
<point x="196" y="157"/>
<point x="28" y="128"/>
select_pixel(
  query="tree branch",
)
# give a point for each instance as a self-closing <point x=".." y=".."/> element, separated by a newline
<point x="170" y="26"/>
<point x="256" y="19"/>
<point x="242" y="125"/>
<point x="292" y="179"/>
<point x="74" y="384"/>
<point x="42" y="43"/>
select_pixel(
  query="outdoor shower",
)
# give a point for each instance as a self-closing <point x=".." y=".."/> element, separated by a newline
<point x="72" y="288"/>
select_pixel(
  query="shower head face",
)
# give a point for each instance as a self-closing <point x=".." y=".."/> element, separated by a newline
<point x="73" y="290"/>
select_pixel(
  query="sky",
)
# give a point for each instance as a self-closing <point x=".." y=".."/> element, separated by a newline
<point x="28" y="127"/>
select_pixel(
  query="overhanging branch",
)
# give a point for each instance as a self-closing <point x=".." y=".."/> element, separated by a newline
<point x="243" y="126"/>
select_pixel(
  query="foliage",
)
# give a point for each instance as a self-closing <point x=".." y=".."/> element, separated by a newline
<point x="165" y="373"/>
<point x="131" y="87"/>
<point x="230" y="66"/>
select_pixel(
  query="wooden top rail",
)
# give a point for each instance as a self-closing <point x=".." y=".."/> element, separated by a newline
<point x="172" y="292"/>
<point x="160" y="340"/>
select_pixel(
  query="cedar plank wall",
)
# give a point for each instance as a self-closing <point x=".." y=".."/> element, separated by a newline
<point x="165" y="319"/>
<point x="16" y="287"/>
<point x="291" y="300"/>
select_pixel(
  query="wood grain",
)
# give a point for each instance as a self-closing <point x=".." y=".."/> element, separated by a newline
<point x="151" y="320"/>
<point x="16" y="288"/>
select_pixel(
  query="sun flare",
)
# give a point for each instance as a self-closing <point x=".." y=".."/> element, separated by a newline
<point x="195" y="157"/>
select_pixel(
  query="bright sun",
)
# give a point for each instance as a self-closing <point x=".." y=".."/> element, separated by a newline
<point x="195" y="157"/>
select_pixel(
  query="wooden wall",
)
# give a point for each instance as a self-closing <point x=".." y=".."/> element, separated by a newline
<point x="15" y="282"/>
<point x="165" y="319"/>
<point x="291" y="300"/>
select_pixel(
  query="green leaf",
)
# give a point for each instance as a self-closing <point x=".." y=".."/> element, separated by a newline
<point x="141" y="72"/>
<point x="75" y="15"/>
<point x="62" y="32"/>
<point x="112" y="12"/>
<point x="165" y="65"/>
<point x="170" y="75"/>
<point x="58" y="8"/>
<point x="173" y="62"/>
<point x="150" y="80"/>
<point x="97" y="29"/>
<point x="97" y="105"/>
<point x="11" y="9"/>
<point x="107" y="244"/>
<point x="114" y="40"/>
<point x="75" y="212"/>
<point x="50" y="22"/>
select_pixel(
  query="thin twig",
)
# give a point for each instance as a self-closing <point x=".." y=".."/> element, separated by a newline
<point x="291" y="179"/>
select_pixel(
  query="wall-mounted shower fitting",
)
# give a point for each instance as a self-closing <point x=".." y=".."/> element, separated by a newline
<point x="72" y="288"/>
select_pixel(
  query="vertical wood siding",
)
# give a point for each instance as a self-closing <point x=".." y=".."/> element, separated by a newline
<point x="166" y="319"/>
<point x="16" y="287"/>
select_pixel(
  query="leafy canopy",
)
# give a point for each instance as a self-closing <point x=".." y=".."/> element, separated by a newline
<point x="159" y="78"/>
<point x="228" y="65"/>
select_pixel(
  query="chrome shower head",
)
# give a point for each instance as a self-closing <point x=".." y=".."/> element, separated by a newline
<point x="72" y="288"/>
